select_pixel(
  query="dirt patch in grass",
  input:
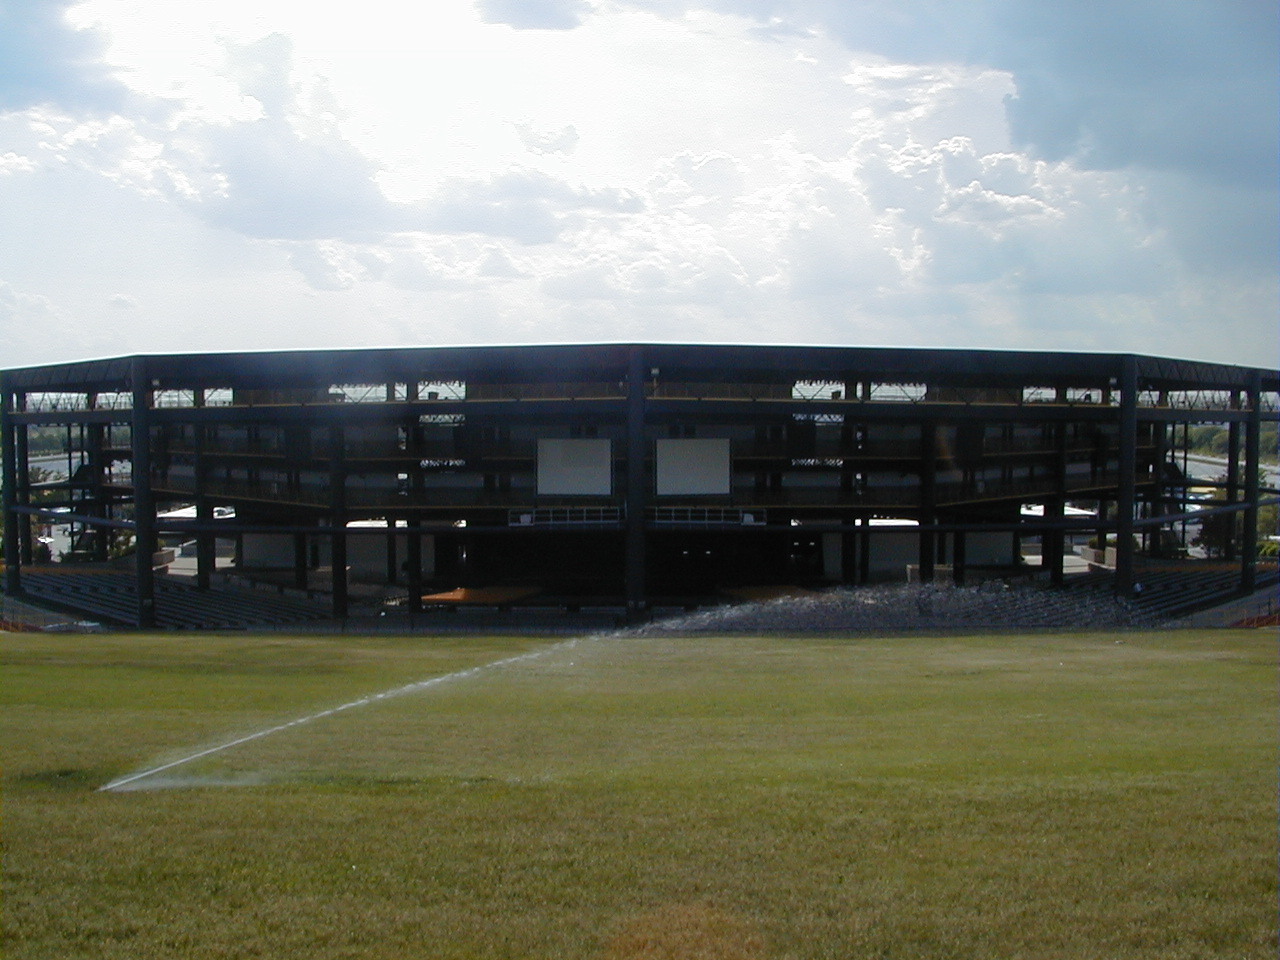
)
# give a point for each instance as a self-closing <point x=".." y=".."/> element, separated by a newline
<point x="686" y="932"/>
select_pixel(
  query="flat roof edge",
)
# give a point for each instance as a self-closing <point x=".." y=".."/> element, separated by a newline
<point x="112" y="372"/>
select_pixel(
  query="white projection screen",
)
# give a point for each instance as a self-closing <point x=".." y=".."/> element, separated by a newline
<point x="693" y="467"/>
<point x="575" y="468"/>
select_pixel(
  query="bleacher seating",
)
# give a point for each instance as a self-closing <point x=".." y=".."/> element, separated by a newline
<point x="112" y="597"/>
<point x="1167" y="591"/>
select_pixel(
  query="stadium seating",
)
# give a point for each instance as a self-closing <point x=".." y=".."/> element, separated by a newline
<point x="113" y="598"/>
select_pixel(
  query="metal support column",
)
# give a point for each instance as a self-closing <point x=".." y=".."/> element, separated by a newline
<point x="144" y="506"/>
<point x="417" y="496"/>
<point x="1252" y="486"/>
<point x="849" y="557"/>
<point x="413" y="573"/>
<point x="100" y="548"/>
<point x="206" y="553"/>
<point x="1053" y="541"/>
<point x="300" y="561"/>
<point x="928" y="498"/>
<point x="1232" y="493"/>
<point x="634" y="574"/>
<point x="1056" y="507"/>
<point x="864" y="551"/>
<point x="338" y="519"/>
<point x="1159" y="498"/>
<point x="1127" y="486"/>
<point x="8" y="495"/>
<point x="22" y="487"/>
<point x="206" y="542"/>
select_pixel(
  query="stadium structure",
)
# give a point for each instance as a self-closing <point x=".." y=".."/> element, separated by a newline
<point x="622" y="474"/>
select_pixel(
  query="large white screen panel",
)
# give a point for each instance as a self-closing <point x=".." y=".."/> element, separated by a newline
<point x="575" y="468"/>
<point x="693" y="467"/>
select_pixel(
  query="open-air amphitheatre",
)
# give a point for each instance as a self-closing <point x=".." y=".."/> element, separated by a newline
<point x="616" y="482"/>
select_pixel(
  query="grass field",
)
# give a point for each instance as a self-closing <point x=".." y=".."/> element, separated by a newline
<point x="1091" y="796"/>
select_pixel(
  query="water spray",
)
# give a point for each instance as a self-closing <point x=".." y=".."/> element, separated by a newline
<point x="862" y="611"/>
<point x="123" y="783"/>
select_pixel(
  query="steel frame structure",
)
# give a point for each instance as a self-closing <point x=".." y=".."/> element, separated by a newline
<point x="822" y="447"/>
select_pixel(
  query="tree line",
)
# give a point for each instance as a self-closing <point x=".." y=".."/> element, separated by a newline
<point x="1214" y="440"/>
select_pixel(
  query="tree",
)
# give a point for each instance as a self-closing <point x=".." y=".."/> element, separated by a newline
<point x="1219" y="531"/>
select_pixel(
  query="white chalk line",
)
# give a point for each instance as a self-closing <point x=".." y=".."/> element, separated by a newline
<point x="408" y="688"/>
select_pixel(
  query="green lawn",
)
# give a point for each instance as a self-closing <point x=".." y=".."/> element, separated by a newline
<point x="1041" y="795"/>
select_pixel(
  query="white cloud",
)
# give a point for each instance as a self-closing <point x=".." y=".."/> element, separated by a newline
<point x="534" y="14"/>
<point x="497" y="263"/>
<point x="11" y="163"/>
<point x="324" y="265"/>
<point x="524" y="205"/>
<point x="547" y="141"/>
<point x="779" y="171"/>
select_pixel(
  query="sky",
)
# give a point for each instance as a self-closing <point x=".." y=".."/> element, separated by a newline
<point x="262" y="174"/>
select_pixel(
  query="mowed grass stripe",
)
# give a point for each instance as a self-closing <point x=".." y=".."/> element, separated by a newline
<point x="1042" y="795"/>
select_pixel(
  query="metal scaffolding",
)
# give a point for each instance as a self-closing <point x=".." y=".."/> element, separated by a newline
<point x="789" y="463"/>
